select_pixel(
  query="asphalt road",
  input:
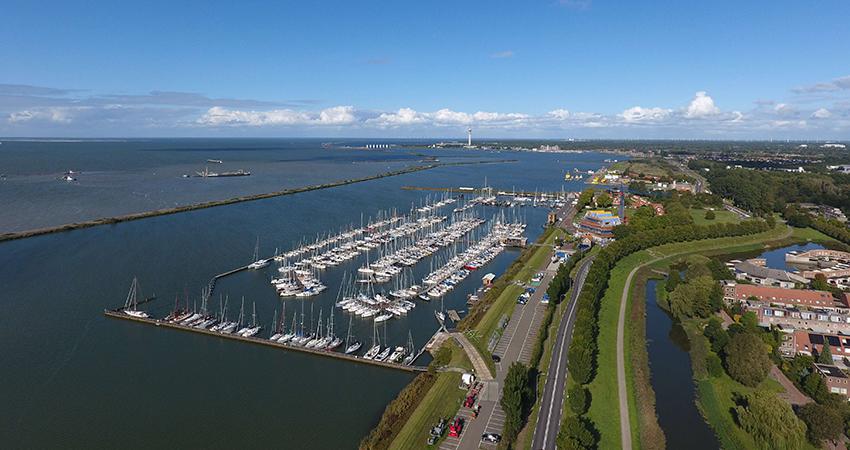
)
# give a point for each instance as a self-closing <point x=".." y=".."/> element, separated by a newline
<point x="549" y="419"/>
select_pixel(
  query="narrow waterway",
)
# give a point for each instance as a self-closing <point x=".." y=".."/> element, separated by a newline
<point x="672" y="380"/>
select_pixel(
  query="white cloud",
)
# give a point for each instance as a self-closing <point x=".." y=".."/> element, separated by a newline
<point x="701" y="106"/>
<point x="404" y="116"/>
<point x="640" y="114"/>
<point x="821" y="113"/>
<point x="218" y="116"/>
<point x="338" y="115"/>
<point x="784" y="108"/>
<point x="52" y="114"/>
<point x="559" y="114"/>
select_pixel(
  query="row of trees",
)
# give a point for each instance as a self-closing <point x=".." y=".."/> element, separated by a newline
<point x="517" y="399"/>
<point x="763" y="192"/>
<point x="583" y="349"/>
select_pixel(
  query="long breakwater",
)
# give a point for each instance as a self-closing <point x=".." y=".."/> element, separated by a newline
<point x="229" y="201"/>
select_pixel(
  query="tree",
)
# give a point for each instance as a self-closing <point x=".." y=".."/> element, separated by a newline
<point x="750" y="321"/>
<point x="814" y="386"/>
<point x="516" y="394"/>
<point x="819" y="283"/>
<point x="746" y="359"/>
<point x="715" y="297"/>
<point x="709" y="215"/>
<point x="825" y="354"/>
<point x="579" y="397"/>
<point x="770" y="422"/>
<point x="603" y="200"/>
<point x="672" y="280"/>
<point x="823" y="422"/>
<point x="717" y="336"/>
<point x="576" y="433"/>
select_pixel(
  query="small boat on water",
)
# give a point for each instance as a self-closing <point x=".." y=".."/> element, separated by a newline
<point x="215" y="161"/>
<point x="373" y="352"/>
<point x="131" y="305"/>
<point x="258" y="263"/>
<point x="384" y="354"/>
<point x="353" y="347"/>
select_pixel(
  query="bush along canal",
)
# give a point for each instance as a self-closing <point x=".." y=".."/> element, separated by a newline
<point x="672" y="379"/>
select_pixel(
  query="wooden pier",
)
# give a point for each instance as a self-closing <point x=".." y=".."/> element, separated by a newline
<point x="117" y="314"/>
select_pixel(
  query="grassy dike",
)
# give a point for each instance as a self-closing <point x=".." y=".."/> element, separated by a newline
<point x="714" y="394"/>
<point x="228" y="201"/>
<point x="603" y="388"/>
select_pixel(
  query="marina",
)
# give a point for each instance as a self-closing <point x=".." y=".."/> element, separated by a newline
<point x="88" y="358"/>
<point x="409" y="367"/>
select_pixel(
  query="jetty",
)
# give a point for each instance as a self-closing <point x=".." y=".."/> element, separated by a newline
<point x="229" y="201"/>
<point x="119" y="314"/>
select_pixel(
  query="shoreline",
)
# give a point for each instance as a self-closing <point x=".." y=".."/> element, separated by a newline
<point x="10" y="236"/>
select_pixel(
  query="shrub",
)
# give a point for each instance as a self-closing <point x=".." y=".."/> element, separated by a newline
<point x="714" y="365"/>
<point x="579" y="399"/>
<point x="746" y="359"/>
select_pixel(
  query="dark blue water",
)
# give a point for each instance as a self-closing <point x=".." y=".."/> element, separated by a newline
<point x="672" y="380"/>
<point x="73" y="378"/>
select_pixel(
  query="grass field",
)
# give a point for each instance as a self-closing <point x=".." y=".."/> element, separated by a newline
<point x="720" y="216"/>
<point x="442" y="400"/>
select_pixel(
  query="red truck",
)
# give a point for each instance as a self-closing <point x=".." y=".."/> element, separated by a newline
<point x="456" y="427"/>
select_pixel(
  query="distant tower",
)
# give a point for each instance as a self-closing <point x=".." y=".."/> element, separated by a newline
<point x="469" y="137"/>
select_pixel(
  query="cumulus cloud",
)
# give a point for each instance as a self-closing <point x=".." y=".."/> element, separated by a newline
<point x="445" y="116"/>
<point x="559" y="114"/>
<point x="836" y="84"/>
<point x="821" y="113"/>
<point x="41" y="111"/>
<point x="701" y="106"/>
<point x="640" y="114"/>
<point x="218" y="116"/>
<point x="503" y="54"/>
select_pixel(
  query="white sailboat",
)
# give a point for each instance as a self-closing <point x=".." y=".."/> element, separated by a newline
<point x="131" y="305"/>
<point x="258" y="263"/>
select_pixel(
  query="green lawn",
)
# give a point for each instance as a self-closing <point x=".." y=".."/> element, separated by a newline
<point x="442" y="400"/>
<point x="720" y="216"/>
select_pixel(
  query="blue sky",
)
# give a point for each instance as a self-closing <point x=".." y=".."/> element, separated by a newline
<point x="571" y="68"/>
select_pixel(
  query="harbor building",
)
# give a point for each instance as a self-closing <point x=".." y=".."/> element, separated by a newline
<point x="599" y="224"/>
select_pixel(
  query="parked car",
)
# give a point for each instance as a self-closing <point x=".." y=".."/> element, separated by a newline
<point x="492" y="438"/>
<point x="545" y="299"/>
<point x="496" y="358"/>
<point x="456" y="427"/>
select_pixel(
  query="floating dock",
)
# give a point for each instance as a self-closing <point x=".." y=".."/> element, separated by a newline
<point x="117" y="314"/>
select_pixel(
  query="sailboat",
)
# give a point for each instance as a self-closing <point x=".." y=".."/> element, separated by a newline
<point x="386" y="352"/>
<point x="277" y="327"/>
<point x="255" y="328"/>
<point x="411" y="350"/>
<point x="258" y="263"/>
<point x="351" y="347"/>
<point x="334" y="340"/>
<point x="376" y="343"/>
<point x="131" y="305"/>
<point x="289" y="336"/>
